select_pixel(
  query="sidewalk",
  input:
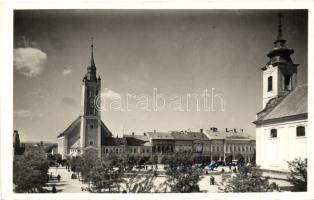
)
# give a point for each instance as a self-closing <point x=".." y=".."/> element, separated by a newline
<point x="66" y="184"/>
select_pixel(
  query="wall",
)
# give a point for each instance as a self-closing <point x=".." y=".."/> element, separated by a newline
<point x="273" y="153"/>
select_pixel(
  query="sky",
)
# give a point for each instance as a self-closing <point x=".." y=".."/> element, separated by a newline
<point x="173" y="52"/>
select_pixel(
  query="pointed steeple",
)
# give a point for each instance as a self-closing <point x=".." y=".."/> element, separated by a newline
<point x="279" y="36"/>
<point x="91" y="69"/>
<point x="92" y="62"/>
<point x="280" y="42"/>
<point x="280" y="54"/>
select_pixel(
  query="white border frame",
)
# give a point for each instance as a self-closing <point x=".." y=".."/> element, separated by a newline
<point x="6" y="87"/>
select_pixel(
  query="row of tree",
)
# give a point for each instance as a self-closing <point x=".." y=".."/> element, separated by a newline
<point x="122" y="174"/>
<point x="118" y="174"/>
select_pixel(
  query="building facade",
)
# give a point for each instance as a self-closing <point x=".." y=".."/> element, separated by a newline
<point x="228" y="145"/>
<point x="281" y="127"/>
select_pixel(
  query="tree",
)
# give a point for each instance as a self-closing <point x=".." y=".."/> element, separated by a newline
<point x="298" y="174"/>
<point x="116" y="174"/>
<point x="183" y="179"/>
<point x="30" y="171"/>
<point x="104" y="178"/>
<point x="85" y="164"/>
<point x="180" y="176"/>
<point x="136" y="182"/>
<point x="248" y="179"/>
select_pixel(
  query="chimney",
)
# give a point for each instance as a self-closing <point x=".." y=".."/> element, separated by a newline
<point x="201" y="130"/>
<point x="132" y="133"/>
<point x="226" y="129"/>
<point x="235" y="130"/>
<point x="241" y="130"/>
<point x="144" y="133"/>
<point x="214" y="129"/>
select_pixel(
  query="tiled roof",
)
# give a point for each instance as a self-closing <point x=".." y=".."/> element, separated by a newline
<point x="136" y="140"/>
<point x="139" y="137"/>
<point x="105" y="132"/>
<point x="160" y="135"/>
<point x="180" y="135"/>
<point x="228" y="135"/>
<point x="112" y="141"/>
<point x="293" y="104"/>
<point x="75" y="123"/>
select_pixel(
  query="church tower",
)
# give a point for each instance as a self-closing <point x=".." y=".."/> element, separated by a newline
<point x="280" y="73"/>
<point x="90" y="135"/>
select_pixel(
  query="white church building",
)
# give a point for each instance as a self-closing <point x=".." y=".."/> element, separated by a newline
<point x="281" y="127"/>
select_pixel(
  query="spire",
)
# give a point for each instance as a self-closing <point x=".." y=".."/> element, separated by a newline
<point x="279" y="37"/>
<point x="91" y="69"/>
<point x="92" y="62"/>
<point x="280" y="42"/>
<point x="280" y="54"/>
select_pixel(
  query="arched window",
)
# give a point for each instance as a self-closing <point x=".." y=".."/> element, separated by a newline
<point x="273" y="133"/>
<point x="270" y="84"/>
<point x="91" y="142"/>
<point x="300" y="131"/>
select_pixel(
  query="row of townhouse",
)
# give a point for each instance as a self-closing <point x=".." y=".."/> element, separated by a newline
<point x="213" y="144"/>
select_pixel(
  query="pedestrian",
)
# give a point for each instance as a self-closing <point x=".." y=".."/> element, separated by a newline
<point x="50" y="175"/>
<point x="58" y="177"/>
<point x="230" y="166"/>
<point x="54" y="189"/>
<point x="212" y="180"/>
<point x="222" y="170"/>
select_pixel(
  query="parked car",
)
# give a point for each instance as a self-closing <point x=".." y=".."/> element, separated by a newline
<point x="198" y="166"/>
<point x="207" y="169"/>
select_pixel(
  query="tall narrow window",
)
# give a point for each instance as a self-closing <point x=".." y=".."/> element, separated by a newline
<point x="300" y="131"/>
<point x="273" y="133"/>
<point x="287" y="82"/>
<point x="270" y="84"/>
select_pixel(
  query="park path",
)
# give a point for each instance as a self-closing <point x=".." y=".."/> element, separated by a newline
<point x="66" y="184"/>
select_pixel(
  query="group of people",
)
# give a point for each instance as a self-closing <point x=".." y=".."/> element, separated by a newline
<point x="54" y="189"/>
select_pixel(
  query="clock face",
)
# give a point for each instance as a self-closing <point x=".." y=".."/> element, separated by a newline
<point x="269" y="69"/>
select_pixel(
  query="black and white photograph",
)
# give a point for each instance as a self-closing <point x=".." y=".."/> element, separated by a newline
<point x="202" y="101"/>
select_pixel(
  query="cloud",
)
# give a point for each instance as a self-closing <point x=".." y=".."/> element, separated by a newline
<point x="110" y="94"/>
<point x="69" y="101"/>
<point x="29" y="61"/>
<point x="67" y="71"/>
<point x="26" y="113"/>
